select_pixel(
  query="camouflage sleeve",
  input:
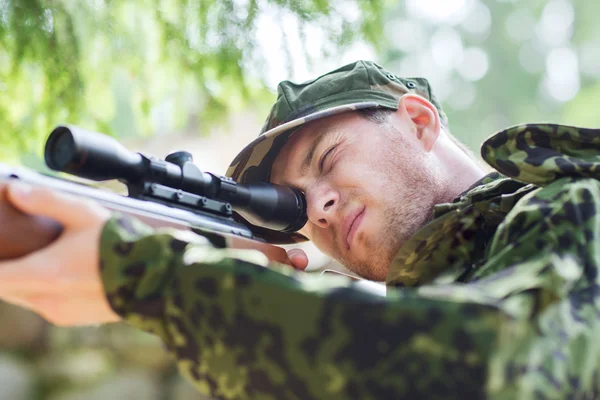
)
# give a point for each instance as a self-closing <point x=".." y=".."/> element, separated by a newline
<point x="543" y="264"/>
<point x="243" y="329"/>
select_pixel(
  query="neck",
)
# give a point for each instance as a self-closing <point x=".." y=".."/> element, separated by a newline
<point x="461" y="177"/>
<point x="459" y="170"/>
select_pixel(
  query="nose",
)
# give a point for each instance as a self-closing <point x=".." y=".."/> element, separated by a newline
<point x="322" y="203"/>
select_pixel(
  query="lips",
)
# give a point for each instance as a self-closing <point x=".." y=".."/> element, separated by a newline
<point x="351" y="224"/>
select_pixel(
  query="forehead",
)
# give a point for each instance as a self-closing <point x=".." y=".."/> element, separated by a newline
<point x="288" y="161"/>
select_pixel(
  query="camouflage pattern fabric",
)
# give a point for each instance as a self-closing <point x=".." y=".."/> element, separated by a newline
<point x="497" y="297"/>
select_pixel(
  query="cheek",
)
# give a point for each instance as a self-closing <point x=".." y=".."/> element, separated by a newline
<point x="351" y="171"/>
<point x="366" y="181"/>
<point x="323" y="239"/>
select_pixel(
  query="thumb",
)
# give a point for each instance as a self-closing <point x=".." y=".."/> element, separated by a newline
<point x="298" y="258"/>
<point x="68" y="210"/>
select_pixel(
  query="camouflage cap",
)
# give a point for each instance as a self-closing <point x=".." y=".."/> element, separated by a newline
<point x="360" y="85"/>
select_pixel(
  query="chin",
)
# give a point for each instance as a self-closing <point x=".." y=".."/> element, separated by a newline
<point x="380" y="271"/>
<point x="375" y="269"/>
<point x="372" y="262"/>
<point x="374" y="275"/>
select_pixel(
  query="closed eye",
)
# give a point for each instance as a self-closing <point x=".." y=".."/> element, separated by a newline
<point x="324" y="157"/>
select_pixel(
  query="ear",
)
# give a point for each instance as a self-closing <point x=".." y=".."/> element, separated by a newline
<point x="423" y="117"/>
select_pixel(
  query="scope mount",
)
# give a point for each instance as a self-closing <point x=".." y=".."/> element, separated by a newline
<point x="144" y="190"/>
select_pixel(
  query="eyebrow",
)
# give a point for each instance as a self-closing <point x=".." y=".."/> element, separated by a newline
<point x="308" y="158"/>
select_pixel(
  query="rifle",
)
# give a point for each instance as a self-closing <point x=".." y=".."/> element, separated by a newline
<point x="172" y="192"/>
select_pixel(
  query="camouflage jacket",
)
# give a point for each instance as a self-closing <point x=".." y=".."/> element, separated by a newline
<point x="497" y="297"/>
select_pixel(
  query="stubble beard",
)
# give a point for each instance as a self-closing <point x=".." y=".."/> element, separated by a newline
<point x="401" y="223"/>
<point x="407" y="206"/>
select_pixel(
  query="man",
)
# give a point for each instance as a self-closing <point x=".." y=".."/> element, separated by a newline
<point x="492" y="281"/>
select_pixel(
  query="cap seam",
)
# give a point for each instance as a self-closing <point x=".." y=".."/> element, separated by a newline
<point x="286" y="101"/>
<point x="362" y="62"/>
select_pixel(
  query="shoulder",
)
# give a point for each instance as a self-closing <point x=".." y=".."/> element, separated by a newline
<point x="563" y="216"/>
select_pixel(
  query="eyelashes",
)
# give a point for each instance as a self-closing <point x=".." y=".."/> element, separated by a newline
<point x="326" y="154"/>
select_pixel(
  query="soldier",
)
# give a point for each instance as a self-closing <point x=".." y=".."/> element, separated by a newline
<point x="492" y="277"/>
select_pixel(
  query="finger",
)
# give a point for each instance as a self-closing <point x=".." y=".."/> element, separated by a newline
<point x="298" y="258"/>
<point x="24" y="271"/>
<point x="35" y="273"/>
<point x="68" y="210"/>
<point x="17" y="300"/>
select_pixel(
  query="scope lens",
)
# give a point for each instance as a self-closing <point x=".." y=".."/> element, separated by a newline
<point x="61" y="150"/>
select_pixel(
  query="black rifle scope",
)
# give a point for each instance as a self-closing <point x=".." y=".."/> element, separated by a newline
<point x="99" y="157"/>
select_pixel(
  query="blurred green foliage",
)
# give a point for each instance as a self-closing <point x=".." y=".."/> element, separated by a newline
<point x="117" y="67"/>
<point x="497" y="63"/>
<point x="149" y="67"/>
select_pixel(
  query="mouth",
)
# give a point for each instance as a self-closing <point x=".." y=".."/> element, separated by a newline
<point x="351" y="225"/>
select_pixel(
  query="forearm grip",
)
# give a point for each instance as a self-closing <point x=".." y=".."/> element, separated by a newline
<point x="20" y="233"/>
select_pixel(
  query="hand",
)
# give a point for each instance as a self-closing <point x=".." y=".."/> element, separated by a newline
<point x="61" y="282"/>
<point x="298" y="258"/>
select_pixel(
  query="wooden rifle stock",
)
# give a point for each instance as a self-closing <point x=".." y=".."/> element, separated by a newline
<point x="21" y="234"/>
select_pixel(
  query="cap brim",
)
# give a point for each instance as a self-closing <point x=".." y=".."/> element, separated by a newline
<point x="254" y="153"/>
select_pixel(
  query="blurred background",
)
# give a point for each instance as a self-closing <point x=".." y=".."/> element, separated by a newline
<point x="201" y="75"/>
